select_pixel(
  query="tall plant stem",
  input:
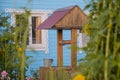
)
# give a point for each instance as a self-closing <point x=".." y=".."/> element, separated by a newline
<point x="106" y="55"/>
<point x="5" y="59"/>
<point x="24" y="40"/>
<point x="115" y="40"/>
<point x="22" y="65"/>
<point x="107" y="42"/>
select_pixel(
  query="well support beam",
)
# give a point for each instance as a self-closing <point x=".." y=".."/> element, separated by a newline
<point x="59" y="48"/>
<point x="73" y="47"/>
<point x="64" y="42"/>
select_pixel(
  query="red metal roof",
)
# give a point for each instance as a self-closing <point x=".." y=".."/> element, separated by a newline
<point x="55" y="17"/>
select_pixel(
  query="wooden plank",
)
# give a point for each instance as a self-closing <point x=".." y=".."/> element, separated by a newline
<point x="63" y="42"/>
<point x="38" y="32"/>
<point x="59" y="48"/>
<point x="73" y="45"/>
<point x="44" y="73"/>
<point x="74" y="19"/>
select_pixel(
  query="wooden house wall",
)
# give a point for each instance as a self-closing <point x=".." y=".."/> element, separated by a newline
<point x="38" y="56"/>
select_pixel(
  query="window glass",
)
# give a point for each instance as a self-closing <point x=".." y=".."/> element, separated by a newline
<point x="36" y="34"/>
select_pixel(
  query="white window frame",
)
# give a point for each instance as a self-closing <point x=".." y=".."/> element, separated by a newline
<point x="82" y="40"/>
<point x="44" y="33"/>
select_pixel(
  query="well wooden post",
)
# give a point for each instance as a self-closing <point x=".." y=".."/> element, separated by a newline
<point x="73" y="45"/>
<point x="59" y="48"/>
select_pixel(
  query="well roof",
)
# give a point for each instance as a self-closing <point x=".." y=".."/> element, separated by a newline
<point x="65" y="18"/>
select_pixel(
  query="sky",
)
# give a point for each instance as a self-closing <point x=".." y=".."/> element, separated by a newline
<point x="42" y="4"/>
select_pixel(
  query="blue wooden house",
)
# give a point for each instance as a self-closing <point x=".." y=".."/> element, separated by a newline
<point x="43" y="42"/>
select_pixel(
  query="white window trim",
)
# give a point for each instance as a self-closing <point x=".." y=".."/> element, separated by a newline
<point x="82" y="40"/>
<point x="44" y="14"/>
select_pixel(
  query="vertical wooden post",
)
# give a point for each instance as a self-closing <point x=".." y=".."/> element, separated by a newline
<point x="73" y="45"/>
<point x="59" y="49"/>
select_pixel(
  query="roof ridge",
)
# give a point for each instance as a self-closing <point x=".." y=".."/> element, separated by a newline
<point x="65" y="8"/>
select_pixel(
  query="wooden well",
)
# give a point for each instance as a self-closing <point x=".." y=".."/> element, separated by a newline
<point x="68" y="18"/>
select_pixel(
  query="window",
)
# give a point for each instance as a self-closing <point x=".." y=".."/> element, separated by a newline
<point x="37" y="39"/>
<point x="36" y="35"/>
<point x="82" y="39"/>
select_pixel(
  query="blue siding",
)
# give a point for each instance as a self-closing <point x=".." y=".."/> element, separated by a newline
<point x="38" y="56"/>
<point x="66" y="48"/>
<point x="40" y="4"/>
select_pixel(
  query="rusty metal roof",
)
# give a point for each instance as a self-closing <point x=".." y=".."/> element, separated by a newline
<point x="55" y="17"/>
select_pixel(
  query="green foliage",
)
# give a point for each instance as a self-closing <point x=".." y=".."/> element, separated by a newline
<point x="21" y="31"/>
<point x="7" y="49"/>
<point x="35" y="74"/>
<point x="102" y="61"/>
<point x="13" y="45"/>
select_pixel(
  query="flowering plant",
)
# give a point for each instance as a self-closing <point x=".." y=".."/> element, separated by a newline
<point x="4" y="75"/>
<point x="79" y="77"/>
<point x="28" y="78"/>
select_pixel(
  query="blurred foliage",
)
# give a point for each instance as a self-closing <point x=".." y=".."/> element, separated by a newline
<point x="13" y="45"/>
<point x="35" y="74"/>
<point x="102" y="60"/>
<point x="21" y="31"/>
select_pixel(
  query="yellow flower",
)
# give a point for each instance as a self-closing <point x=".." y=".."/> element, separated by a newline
<point x="79" y="77"/>
<point x="87" y="28"/>
<point x="86" y="32"/>
<point x="20" y="49"/>
<point x="109" y="25"/>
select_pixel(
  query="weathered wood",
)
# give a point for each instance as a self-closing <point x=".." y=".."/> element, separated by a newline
<point x="38" y="32"/>
<point x="59" y="49"/>
<point x="76" y="18"/>
<point x="73" y="46"/>
<point x="63" y="42"/>
<point x="60" y="44"/>
<point x="46" y="75"/>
